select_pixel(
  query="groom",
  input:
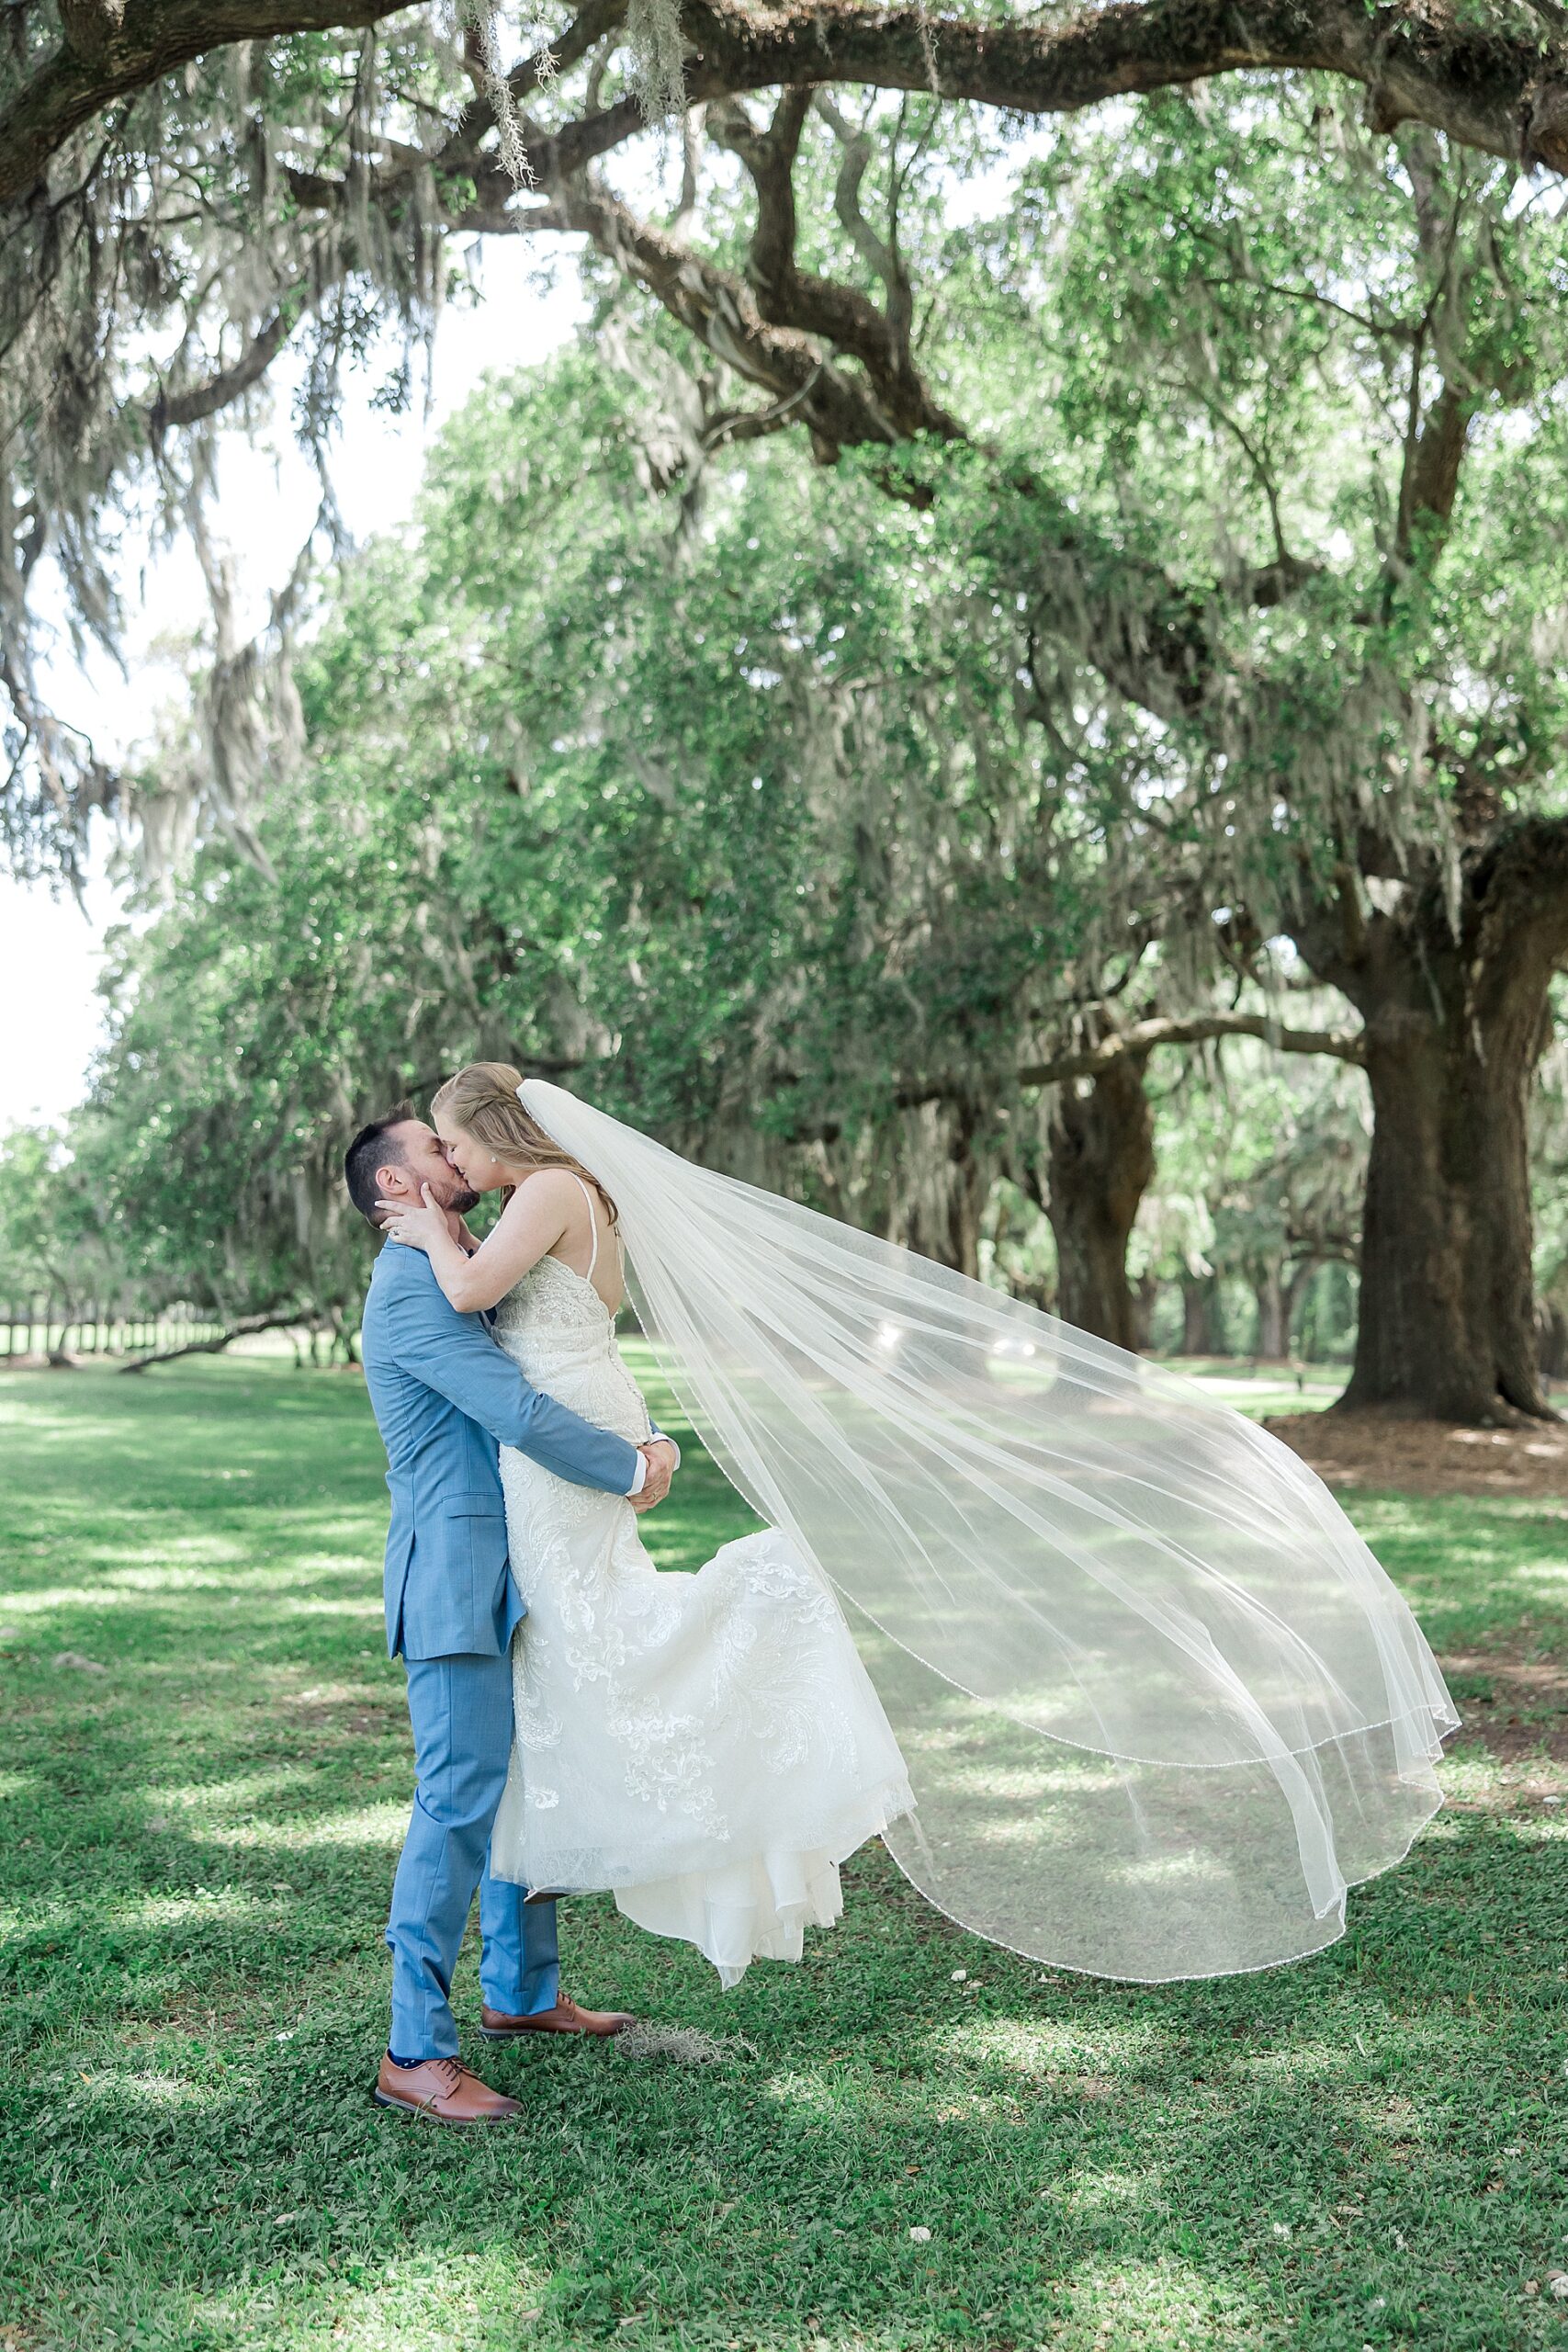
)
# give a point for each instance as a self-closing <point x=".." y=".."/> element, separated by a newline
<point x="445" y="1396"/>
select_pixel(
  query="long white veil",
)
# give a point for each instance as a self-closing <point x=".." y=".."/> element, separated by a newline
<point x="1160" y="1704"/>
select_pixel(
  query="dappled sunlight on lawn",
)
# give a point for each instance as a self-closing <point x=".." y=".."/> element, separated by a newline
<point x="364" y="1611"/>
<point x="198" y="1848"/>
<point x="380" y="1825"/>
<point x="1552" y="1573"/>
<point x="25" y="1408"/>
<point x="1468" y="1775"/>
<point x="1045" y="2048"/>
<point x="115" y="2094"/>
<point x="1303" y="2062"/>
<point x="170" y="1576"/>
<point x="281" y="1577"/>
<point x="1540" y="1832"/>
<point x="202" y="1908"/>
<point x="1106" y="2190"/>
<point x="1116" y="2306"/>
<point x="87" y="1596"/>
<point x="409" y="2301"/>
<point x="200" y="1801"/>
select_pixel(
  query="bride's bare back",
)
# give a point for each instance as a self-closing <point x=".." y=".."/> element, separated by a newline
<point x="589" y="1245"/>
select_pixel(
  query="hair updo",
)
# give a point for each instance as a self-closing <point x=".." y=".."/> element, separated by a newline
<point x="483" y="1100"/>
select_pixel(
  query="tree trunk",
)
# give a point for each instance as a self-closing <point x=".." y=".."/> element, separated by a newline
<point x="1202" y="1334"/>
<point x="941" y="1182"/>
<point x="1146" y="1298"/>
<point x="1271" y="1341"/>
<point x="1447" y="1320"/>
<point x="1456" y="1019"/>
<point x="1293" y="1290"/>
<point x="1101" y="1158"/>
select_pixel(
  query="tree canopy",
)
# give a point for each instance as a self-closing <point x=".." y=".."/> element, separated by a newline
<point x="897" y="662"/>
<point x="190" y="190"/>
<point x="738" y="817"/>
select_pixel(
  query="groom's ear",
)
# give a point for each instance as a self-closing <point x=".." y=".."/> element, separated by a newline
<point x="393" y="1181"/>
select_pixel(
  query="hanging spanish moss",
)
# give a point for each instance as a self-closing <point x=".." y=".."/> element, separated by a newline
<point x="252" y="212"/>
<point x="658" y="57"/>
<point x="474" y="26"/>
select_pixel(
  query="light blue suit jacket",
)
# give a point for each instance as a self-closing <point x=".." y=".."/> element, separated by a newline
<point x="445" y="1396"/>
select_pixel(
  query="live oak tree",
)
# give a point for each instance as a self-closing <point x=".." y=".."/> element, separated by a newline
<point x="190" y="188"/>
<point x="54" y="1260"/>
<point x="1358" y="635"/>
<point x="1086" y="1151"/>
<point x="1252" y="1165"/>
<point x="1312" y="529"/>
<point x="722" y="824"/>
<point x="1490" y="77"/>
<point x="1230" y="393"/>
<point x="747" y="827"/>
<point x="1101" y="1161"/>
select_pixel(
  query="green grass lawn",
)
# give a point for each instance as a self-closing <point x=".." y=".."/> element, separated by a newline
<point x="1365" y="2150"/>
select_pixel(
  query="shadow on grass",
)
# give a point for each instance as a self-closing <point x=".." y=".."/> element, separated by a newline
<point x="1245" y="2158"/>
<point x="198" y="1842"/>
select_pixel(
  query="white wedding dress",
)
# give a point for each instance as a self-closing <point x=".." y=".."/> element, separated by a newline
<point x="708" y="1747"/>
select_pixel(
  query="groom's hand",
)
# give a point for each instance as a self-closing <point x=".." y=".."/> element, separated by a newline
<point x="660" y="1456"/>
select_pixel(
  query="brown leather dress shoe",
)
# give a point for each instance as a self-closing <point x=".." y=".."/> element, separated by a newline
<point x="565" y="2017"/>
<point x="444" y="2091"/>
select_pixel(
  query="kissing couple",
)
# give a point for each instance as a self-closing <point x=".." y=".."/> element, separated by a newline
<point x="1124" y="1690"/>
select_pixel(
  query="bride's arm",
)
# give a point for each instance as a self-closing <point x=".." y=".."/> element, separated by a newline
<point x="528" y="1228"/>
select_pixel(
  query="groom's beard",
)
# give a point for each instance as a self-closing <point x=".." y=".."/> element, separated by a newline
<point x="452" y="1194"/>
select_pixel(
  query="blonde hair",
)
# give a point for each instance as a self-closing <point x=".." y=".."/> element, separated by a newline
<point x="482" y="1099"/>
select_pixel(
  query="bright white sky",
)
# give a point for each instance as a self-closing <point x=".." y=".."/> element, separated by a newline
<point x="49" y="950"/>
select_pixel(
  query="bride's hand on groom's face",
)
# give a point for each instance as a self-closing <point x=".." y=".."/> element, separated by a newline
<point x="418" y="1225"/>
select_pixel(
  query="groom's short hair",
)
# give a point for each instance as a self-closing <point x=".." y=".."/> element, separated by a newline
<point x="374" y="1147"/>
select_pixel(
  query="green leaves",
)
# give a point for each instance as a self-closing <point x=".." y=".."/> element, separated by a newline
<point x="734" y="813"/>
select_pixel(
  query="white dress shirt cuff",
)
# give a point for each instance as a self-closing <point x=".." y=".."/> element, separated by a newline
<point x="640" y="1481"/>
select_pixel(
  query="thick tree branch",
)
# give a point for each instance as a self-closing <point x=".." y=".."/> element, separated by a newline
<point x="781" y="328"/>
<point x="1504" y="94"/>
<point x="245" y="1327"/>
<point x="1430" y="480"/>
<point x="90" y="26"/>
<point x="1129" y="1047"/>
<point x="788" y="296"/>
<point x="874" y="250"/>
<point x="1485" y="85"/>
<point x="1141" y="1037"/>
<point x="722" y="312"/>
<point x="769" y="157"/>
<point x="153" y="38"/>
<point x="202" y="401"/>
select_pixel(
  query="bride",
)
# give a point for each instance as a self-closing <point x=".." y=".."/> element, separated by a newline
<point x="709" y="1747"/>
<point x="1159" y="1706"/>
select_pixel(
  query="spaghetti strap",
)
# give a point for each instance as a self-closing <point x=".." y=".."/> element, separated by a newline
<point x="593" y="1226"/>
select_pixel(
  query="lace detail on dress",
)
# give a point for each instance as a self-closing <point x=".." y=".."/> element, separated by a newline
<point x="708" y="1746"/>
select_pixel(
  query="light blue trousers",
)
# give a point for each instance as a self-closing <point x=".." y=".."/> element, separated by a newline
<point x="460" y="1709"/>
